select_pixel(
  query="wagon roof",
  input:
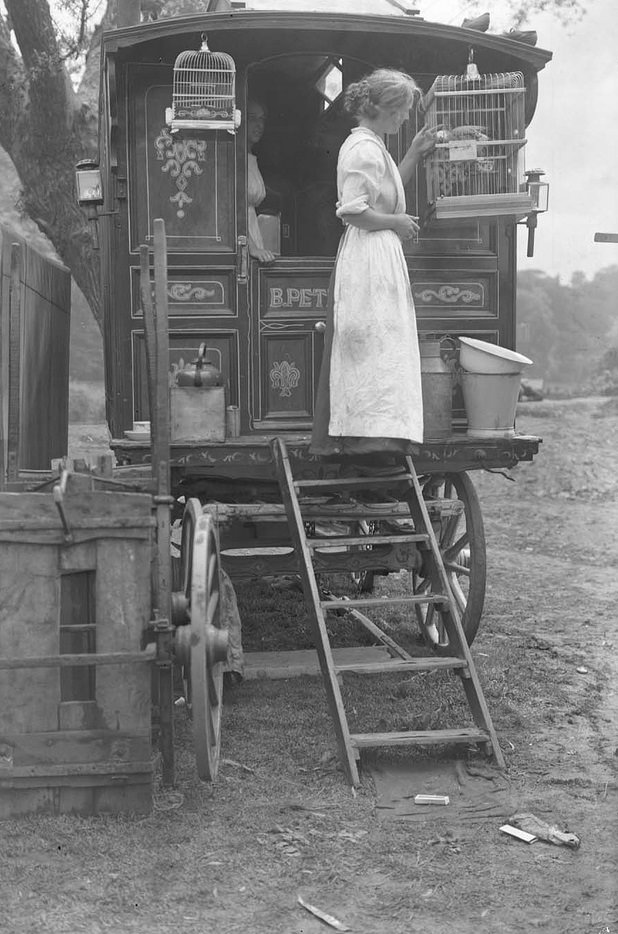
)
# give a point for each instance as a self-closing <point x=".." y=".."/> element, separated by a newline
<point x="388" y="21"/>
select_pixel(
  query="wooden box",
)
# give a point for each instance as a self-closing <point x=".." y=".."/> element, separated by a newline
<point x="75" y="733"/>
<point x="197" y="414"/>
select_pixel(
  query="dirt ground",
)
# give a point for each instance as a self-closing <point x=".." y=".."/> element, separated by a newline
<point x="280" y="821"/>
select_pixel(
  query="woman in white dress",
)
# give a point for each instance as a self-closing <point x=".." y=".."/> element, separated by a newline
<point x="256" y="189"/>
<point x="369" y="398"/>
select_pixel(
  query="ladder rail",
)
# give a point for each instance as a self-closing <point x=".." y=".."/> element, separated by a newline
<point x="473" y="690"/>
<point x="310" y="586"/>
<point x="307" y="548"/>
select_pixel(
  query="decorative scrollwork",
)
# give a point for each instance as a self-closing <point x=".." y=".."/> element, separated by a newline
<point x="181" y="158"/>
<point x="188" y="292"/>
<point x="284" y="376"/>
<point x="451" y="294"/>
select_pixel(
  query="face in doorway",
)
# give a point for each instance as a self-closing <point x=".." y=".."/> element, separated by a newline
<point x="256" y="123"/>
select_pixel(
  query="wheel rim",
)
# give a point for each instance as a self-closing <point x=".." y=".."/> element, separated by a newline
<point x="208" y="640"/>
<point x="462" y="544"/>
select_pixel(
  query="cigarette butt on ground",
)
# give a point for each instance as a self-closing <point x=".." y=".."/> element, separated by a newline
<point x="431" y="799"/>
<point x="519" y="834"/>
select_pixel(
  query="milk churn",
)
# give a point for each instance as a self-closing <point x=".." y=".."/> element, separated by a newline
<point x="437" y="385"/>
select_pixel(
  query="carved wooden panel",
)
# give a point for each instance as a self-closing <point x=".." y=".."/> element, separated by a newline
<point x="190" y="292"/>
<point x="458" y="296"/>
<point x="189" y="182"/>
<point x="222" y="351"/>
<point x="286" y="377"/>
<point x="294" y="293"/>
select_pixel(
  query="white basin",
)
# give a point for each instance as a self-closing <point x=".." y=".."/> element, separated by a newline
<point x="477" y="356"/>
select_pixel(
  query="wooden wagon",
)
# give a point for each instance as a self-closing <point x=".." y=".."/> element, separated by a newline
<point x="243" y="486"/>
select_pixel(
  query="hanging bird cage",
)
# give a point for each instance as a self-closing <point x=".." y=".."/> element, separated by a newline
<point x="204" y="96"/>
<point x="477" y="166"/>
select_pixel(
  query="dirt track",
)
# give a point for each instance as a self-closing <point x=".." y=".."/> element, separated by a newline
<point x="234" y="859"/>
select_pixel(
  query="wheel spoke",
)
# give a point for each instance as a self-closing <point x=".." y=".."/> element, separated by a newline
<point x="454" y="549"/>
<point x="457" y="568"/>
<point x="462" y="545"/>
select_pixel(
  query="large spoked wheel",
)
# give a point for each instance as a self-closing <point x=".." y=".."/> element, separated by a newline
<point x="461" y="537"/>
<point x="202" y="644"/>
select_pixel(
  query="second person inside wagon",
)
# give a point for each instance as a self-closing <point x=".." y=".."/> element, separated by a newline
<point x="369" y="402"/>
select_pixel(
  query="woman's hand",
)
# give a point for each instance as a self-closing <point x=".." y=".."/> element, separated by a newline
<point x="424" y="142"/>
<point x="262" y="256"/>
<point x="405" y="226"/>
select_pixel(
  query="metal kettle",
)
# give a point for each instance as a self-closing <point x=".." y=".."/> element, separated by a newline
<point x="200" y="373"/>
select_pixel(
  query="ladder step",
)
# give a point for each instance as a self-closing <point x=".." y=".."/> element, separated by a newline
<point x="366" y="540"/>
<point x="421" y="600"/>
<point x="401" y="664"/>
<point x="419" y="738"/>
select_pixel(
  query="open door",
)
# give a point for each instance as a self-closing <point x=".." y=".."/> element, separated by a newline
<point x="195" y="181"/>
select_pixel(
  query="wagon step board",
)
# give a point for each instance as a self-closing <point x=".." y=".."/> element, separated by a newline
<point x="405" y="488"/>
<point x="397" y="665"/>
<point x="420" y="738"/>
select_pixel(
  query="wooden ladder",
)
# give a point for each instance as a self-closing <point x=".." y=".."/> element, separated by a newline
<point x="409" y="489"/>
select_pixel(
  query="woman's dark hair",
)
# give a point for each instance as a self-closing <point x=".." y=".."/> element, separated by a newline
<point x="385" y="88"/>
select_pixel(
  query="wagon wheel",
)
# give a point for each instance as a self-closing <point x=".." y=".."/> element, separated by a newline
<point x="202" y="644"/>
<point x="462" y="543"/>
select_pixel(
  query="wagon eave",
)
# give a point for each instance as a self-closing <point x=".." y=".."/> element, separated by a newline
<point x="520" y="54"/>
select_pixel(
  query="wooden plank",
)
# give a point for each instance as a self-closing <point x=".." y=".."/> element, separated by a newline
<point x="77" y="660"/>
<point x="421" y="600"/>
<point x="299" y="662"/>
<point x="123" y="612"/>
<point x="393" y="666"/>
<point x="364" y="541"/>
<point x="161" y="476"/>
<point x="419" y="738"/>
<point x="348" y="511"/>
<point x="61" y="747"/>
<point x="14" y="399"/>
<point x="78" y="768"/>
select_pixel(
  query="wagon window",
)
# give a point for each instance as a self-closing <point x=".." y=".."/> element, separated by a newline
<point x="330" y="83"/>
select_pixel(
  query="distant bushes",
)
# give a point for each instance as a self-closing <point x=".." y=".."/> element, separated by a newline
<point x="86" y="402"/>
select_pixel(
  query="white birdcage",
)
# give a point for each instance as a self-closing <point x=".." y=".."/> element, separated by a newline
<point x="204" y="95"/>
<point x="477" y="166"/>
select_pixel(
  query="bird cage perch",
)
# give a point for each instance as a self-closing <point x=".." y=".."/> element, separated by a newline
<point x="477" y="166"/>
<point x="204" y="94"/>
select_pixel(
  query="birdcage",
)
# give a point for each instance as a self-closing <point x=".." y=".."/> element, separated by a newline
<point x="204" y="95"/>
<point x="477" y="166"/>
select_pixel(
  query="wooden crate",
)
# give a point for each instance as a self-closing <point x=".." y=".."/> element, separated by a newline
<point x="75" y="696"/>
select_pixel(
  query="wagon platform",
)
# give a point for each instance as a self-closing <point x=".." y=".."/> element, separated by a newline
<point x="251" y="456"/>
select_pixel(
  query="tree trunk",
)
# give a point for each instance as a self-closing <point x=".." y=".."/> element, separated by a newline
<point x="46" y="130"/>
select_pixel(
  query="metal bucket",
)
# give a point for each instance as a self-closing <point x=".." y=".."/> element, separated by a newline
<point x="437" y="386"/>
<point x="490" y="400"/>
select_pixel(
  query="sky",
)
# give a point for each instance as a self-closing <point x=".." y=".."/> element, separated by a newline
<point x="573" y="135"/>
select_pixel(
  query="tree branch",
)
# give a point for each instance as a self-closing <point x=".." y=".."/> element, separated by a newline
<point x="13" y="96"/>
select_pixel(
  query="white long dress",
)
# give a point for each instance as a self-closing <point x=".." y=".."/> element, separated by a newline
<point x="375" y="378"/>
<point x="256" y="192"/>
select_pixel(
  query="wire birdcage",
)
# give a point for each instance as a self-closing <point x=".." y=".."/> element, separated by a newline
<point x="477" y="166"/>
<point x="204" y="95"/>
